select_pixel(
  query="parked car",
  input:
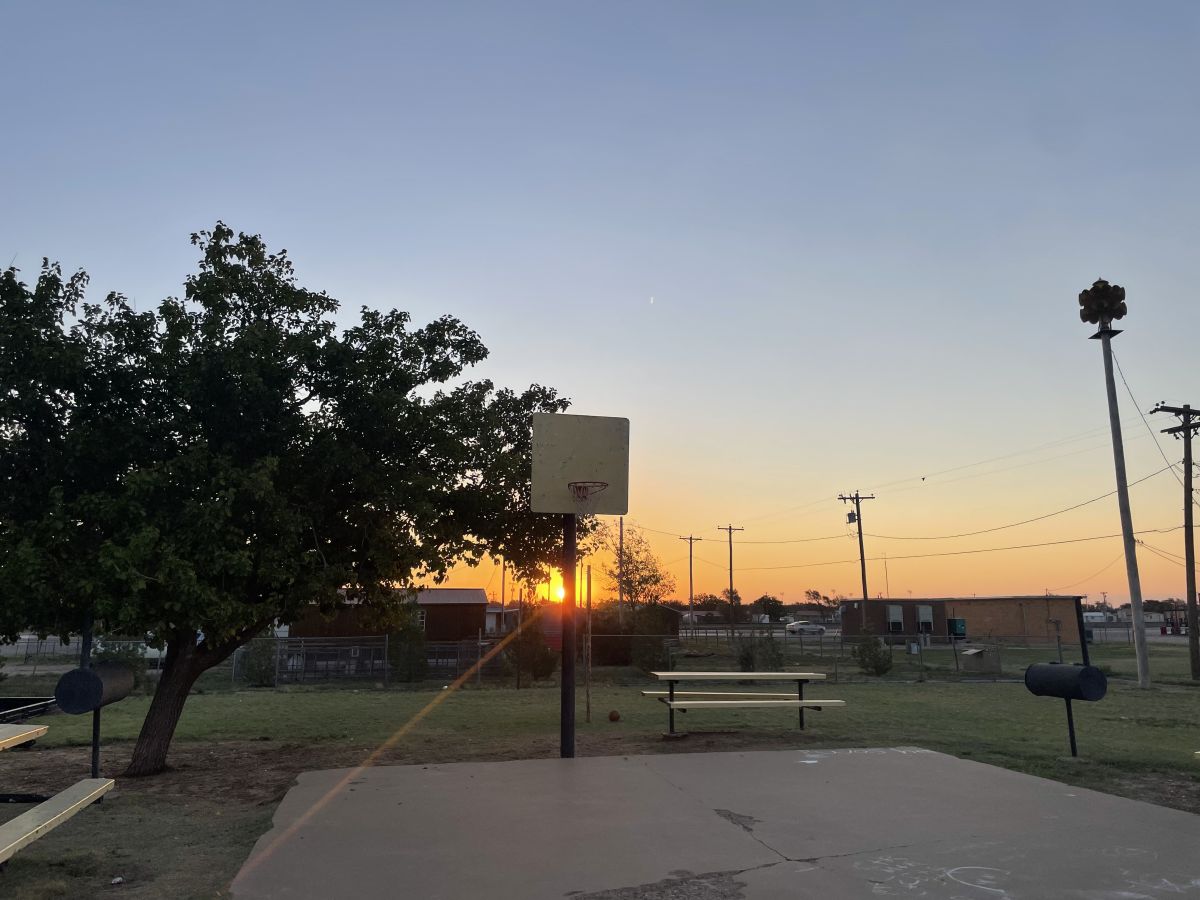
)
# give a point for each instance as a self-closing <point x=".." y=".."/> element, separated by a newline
<point x="805" y="628"/>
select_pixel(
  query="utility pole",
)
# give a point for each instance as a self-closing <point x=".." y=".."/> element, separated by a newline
<point x="620" y="570"/>
<point x="732" y="609"/>
<point x="500" y="624"/>
<point x="1101" y="304"/>
<point x="856" y="516"/>
<point x="691" y="607"/>
<point x="1189" y="421"/>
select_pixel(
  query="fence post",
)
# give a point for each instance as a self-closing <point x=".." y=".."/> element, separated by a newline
<point x="1058" y="640"/>
<point x="921" y="655"/>
<point x="277" y="654"/>
<point x="479" y="659"/>
<point x="954" y="647"/>
<point x="387" y="667"/>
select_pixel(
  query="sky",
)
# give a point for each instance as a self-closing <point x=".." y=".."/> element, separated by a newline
<point x="806" y="248"/>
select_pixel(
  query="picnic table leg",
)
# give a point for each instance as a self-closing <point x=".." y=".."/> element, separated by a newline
<point x="670" y="708"/>
<point x="800" y="692"/>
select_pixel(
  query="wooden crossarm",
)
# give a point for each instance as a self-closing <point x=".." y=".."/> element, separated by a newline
<point x="29" y="826"/>
<point x="15" y="735"/>
<point x="751" y="704"/>
<point x="728" y="695"/>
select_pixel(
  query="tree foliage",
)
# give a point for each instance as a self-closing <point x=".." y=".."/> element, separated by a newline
<point x="642" y="579"/>
<point x="202" y="469"/>
<point x="826" y="602"/>
<point x="767" y="605"/>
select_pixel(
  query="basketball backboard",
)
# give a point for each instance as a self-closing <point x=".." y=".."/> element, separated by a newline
<point x="580" y="465"/>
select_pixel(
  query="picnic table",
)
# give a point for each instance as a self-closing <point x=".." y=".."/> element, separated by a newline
<point x="685" y="700"/>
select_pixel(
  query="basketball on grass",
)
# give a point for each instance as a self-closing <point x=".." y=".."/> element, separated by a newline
<point x="614" y="716"/>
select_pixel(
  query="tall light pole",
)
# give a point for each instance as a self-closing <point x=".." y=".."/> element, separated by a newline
<point x="1100" y="305"/>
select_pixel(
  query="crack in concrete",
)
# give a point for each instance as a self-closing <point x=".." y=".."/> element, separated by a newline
<point x="746" y="823"/>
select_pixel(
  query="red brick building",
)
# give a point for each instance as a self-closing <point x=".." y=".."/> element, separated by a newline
<point x="1036" y="618"/>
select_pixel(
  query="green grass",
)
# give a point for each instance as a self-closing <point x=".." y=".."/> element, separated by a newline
<point x="169" y="837"/>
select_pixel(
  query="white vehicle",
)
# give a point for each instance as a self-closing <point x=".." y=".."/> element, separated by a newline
<point x="805" y="628"/>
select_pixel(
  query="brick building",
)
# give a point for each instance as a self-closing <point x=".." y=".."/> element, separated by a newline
<point x="1038" y="618"/>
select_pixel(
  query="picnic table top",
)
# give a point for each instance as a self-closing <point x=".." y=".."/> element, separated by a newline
<point x="739" y="676"/>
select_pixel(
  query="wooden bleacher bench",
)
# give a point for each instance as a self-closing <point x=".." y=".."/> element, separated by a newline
<point x="29" y="826"/>
<point x="15" y="735"/>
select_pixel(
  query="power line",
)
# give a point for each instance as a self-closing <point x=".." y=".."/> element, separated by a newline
<point x="838" y="562"/>
<point x="1093" y="432"/>
<point x="1120" y="556"/>
<point x="1057" y="512"/>
<point x="1145" y="421"/>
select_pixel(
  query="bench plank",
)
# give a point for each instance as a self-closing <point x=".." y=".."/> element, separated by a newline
<point x="731" y="695"/>
<point x="29" y="826"/>
<point x="14" y="735"/>
<point x="749" y="704"/>
<point x="739" y="676"/>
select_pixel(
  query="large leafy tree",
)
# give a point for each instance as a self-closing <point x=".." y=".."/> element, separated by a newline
<point x="199" y="471"/>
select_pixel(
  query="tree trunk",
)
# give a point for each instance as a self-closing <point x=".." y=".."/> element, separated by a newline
<point x="184" y="664"/>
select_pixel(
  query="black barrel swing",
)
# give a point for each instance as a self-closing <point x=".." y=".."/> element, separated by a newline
<point x="1069" y="682"/>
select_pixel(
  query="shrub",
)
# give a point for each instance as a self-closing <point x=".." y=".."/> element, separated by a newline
<point x="258" y="662"/>
<point x="650" y="654"/>
<point x="758" y="654"/>
<point x="529" y="653"/>
<point x="872" y="656"/>
<point x="406" y="654"/>
<point x="768" y="655"/>
<point x="129" y="652"/>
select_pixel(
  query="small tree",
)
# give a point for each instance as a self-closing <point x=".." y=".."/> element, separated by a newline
<point x="259" y="659"/>
<point x="529" y="653"/>
<point x="872" y="656"/>
<point x="642" y="578"/>
<point x="733" y="610"/>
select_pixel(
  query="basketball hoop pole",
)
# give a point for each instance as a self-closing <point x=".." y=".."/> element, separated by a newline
<point x="567" y="735"/>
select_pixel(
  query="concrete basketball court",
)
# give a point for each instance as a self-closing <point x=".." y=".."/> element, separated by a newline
<point x="889" y="822"/>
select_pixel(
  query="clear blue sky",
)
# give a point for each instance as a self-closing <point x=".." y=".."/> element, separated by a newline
<point x="862" y="225"/>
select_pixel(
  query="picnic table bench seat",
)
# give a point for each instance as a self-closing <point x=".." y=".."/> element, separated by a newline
<point x="32" y="824"/>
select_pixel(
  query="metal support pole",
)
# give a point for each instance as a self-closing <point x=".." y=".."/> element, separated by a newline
<point x="800" y="694"/>
<point x="567" y="717"/>
<point x="1087" y="661"/>
<point x="1071" y="729"/>
<point x="587" y="652"/>
<point x="96" y="742"/>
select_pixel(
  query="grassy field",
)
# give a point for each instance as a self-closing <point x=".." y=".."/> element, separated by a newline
<point x="185" y="833"/>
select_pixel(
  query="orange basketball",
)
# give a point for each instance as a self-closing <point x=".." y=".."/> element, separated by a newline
<point x="614" y="716"/>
